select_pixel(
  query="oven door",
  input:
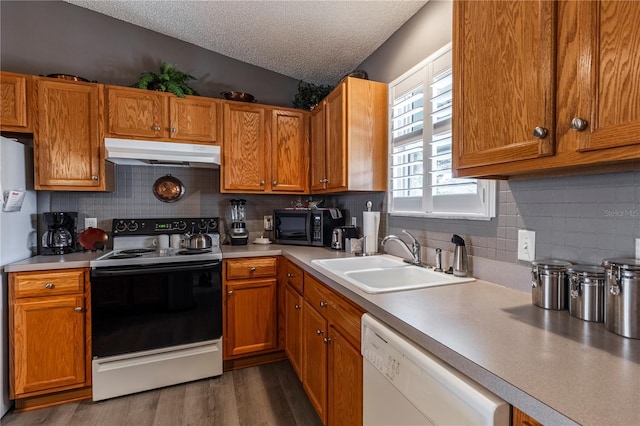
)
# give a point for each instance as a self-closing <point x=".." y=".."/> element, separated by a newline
<point x="138" y="308"/>
<point x="292" y="227"/>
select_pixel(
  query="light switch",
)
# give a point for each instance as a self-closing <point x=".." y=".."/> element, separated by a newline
<point x="526" y="245"/>
<point x="90" y="222"/>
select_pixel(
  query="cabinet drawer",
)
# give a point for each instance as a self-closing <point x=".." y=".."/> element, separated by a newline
<point x="251" y="268"/>
<point x="295" y="277"/>
<point x="341" y="313"/>
<point x="48" y="283"/>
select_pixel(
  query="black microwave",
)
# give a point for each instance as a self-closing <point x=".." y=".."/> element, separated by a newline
<point x="306" y="227"/>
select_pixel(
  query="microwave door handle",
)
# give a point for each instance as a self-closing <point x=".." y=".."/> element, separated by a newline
<point x="309" y="226"/>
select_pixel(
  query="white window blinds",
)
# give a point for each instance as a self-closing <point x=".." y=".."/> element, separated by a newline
<point x="422" y="182"/>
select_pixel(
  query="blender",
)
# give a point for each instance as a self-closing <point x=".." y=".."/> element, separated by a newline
<point x="239" y="234"/>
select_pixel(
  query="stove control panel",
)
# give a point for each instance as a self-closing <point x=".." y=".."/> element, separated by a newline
<point x="165" y="226"/>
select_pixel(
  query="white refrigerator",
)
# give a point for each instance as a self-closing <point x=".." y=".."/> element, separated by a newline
<point x="18" y="235"/>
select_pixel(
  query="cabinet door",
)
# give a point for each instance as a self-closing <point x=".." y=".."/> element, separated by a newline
<point x="244" y="155"/>
<point x="519" y="418"/>
<point x="194" y="119"/>
<point x="14" y="92"/>
<point x="48" y="336"/>
<point x="314" y="353"/>
<point x="504" y="81"/>
<point x="609" y="93"/>
<point x="293" y="328"/>
<point x="345" y="381"/>
<point x="251" y="317"/>
<point x="136" y="113"/>
<point x="68" y="143"/>
<point x="318" y="148"/>
<point x="289" y="151"/>
<point x="336" y="150"/>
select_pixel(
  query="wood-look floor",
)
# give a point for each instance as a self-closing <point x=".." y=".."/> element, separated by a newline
<point x="265" y="395"/>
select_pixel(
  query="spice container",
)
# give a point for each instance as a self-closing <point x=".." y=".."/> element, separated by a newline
<point x="586" y="292"/>
<point x="622" y="297"/>
<point x="549" y="283"/>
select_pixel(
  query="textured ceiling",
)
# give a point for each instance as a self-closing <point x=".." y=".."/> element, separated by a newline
<point x="315" y="41"/>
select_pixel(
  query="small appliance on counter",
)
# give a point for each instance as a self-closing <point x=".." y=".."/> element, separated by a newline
<point x="340" y="235"/>
<point x="61" y="234"/>
<point x="238" y="234"/>
<point x="306" y="227"/>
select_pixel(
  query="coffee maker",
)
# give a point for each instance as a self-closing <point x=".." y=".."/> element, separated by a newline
<point x="239" y="234"/>
<point x="60" y="237"/>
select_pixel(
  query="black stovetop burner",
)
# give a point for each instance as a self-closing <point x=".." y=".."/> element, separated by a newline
<point x="187" y="252"/>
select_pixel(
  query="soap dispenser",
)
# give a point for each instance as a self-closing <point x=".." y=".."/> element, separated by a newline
<point x="459" y="257"/>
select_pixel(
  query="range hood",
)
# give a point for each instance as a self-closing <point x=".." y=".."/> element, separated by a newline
<point x="153" y="153"/>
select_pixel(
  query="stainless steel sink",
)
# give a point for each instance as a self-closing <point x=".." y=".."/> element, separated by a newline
<point x="384" y="274"/>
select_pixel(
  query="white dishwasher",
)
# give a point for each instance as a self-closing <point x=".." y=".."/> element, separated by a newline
<point x="405" y="385"/>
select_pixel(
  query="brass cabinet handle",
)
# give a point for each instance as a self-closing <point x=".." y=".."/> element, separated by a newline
<point x="156" y="128"/>
<point x="319" y="332"/>
<point x="290" y="275"/>
<point x="262" y="183"/>
<point x="230" y="292"/>
<point x="323" y="304"/>
<point x="78" y="309"/>
<point x="252" y="269"/>
<point x="172" y="129"/>
<point x="540" y="133"/>
<point x="94" y="177"/>
<point x="326" y="340"/>
<point x="50" y="286"/>
<point x="579" y="124"/>
<point x="297" y="306"/>
<point x="274" y="183"/>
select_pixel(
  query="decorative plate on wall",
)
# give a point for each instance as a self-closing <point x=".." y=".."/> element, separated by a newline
<point x="168" y="189"/>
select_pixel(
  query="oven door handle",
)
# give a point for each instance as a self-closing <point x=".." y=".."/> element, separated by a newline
<point x="109" y="272"/>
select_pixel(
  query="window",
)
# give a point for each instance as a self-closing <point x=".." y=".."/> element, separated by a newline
<point x="422" y="183"/>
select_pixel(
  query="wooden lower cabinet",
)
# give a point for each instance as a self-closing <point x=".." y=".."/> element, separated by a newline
<point x="293" y="314"/>
<point x="250" y="308"/>
<point x="49" y="335"/>
<point x="520" y="418"/>
<point x="331" y="360"/>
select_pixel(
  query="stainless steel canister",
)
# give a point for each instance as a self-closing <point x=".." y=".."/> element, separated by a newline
<point x="586" y="292"/>
<point x="622" y="297"/>
<point x="549" y="283"/>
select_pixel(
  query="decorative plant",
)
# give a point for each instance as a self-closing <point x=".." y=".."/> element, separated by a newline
<point x="309" y="95"/>
<point x="169" y="80"/>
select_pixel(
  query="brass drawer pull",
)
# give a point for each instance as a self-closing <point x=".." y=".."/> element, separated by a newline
<point x="323" y="304"/>
<point x="50" y="286"/>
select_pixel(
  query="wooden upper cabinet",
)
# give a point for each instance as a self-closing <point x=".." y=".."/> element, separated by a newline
<point x="608" y="71"/>
<point x="146" y="114"/>
<point x="352" y="122"/>
<point x="318" y="154"/>
<point x="15" y="104"/>
<point x="572" y="68"/>
<point x="265" y="149"/>
<point x="504" y="65"/>
<point x="194" y="119"/>
<point x="136" y="113"/>
<point x="289" y="151"/>
<point x="244" y="158"/>
<point x="68" y="138"/>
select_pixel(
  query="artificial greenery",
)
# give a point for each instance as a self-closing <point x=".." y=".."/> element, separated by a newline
<point x="309" y="95"/>
<point x="169" y="80"/>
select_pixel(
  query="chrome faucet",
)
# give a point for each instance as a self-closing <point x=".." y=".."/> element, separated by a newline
<point x="414" y="250"/>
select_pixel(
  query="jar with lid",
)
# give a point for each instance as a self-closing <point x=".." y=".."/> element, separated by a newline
<point x="586" y="292"/>
<point x="622" y="297"/>
<point x="549" y="283"/>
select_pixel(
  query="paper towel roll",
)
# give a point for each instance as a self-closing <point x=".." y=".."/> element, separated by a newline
<point x="370" y="225"/>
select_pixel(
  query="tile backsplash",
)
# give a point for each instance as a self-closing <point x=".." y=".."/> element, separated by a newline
<point x="577" y="218"/>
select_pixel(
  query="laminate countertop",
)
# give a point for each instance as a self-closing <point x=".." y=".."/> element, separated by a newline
<point x="556" y="368"/>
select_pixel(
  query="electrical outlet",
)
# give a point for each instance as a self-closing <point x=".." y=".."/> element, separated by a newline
<point x="268" y="223"/>
<point x="526" y="245"/>
<point x="354" y="221"/>
<point x="90" y="222"/>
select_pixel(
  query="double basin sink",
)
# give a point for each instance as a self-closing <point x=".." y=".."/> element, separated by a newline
<point x="385" y="273"/>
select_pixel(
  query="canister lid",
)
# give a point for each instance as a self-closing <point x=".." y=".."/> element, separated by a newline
<point x="587" y="270"/>
<point x="551" y="264"/>
<point x="628" y="264"/>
